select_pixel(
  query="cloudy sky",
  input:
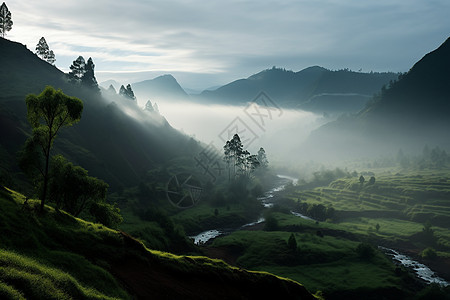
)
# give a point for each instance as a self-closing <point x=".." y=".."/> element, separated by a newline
<point x="208" y="43"/>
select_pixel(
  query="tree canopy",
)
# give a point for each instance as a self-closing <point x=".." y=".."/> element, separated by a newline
<point x="72" y="189"/>
<point x="77" y="69"/>
<point x="44" y="52"/>
<point x="238" y="160"/>
<point x="5" y="20"/>
<point x="47" y="113"/>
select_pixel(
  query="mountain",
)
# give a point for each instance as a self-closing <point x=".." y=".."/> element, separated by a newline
<point x="409" y="114"/>
<point x="106" y="84"/>
<point x="115" y="140"/>
<point x="162" y="88"/>
<point x="315" y="88"/>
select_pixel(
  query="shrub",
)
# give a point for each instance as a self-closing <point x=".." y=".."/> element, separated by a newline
<point x="365" y="251"/>
<point x="429" y="253"/>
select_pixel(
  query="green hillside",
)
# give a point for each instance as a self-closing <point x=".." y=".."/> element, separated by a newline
<point x="53" y="255"/>
<point x="115" y="140"/>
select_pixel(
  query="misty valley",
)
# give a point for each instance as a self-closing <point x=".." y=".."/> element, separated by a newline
<point x="309" y="184"/>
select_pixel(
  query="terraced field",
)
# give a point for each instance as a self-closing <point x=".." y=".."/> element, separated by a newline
<point x="418" y="197"/>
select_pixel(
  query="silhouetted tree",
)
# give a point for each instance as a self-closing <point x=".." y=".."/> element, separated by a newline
<point x="361" y="179"/>
<point x="47" y="113"/>
<point x="292" y="243"/>
<point x="262" y="158"/>
<point x="111" y="90"/>
<point x="51" y="57"/>
<point x="372" y="180"/>
<point x="127" y="92"/>
<point x="156" y="108"/>
<point x="43" y="51"/>
<point x="5" y="20"/>
<point x="42" y="48"/>
<point x="149" y="106"/>
<point x="377" y="227"/>
<point x="77" y="69"/>
<point x="88" y="78"/>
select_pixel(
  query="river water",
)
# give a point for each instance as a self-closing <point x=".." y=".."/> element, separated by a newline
<point x="421" y="270"/>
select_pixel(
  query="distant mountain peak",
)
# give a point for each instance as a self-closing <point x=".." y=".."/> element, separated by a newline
<point x="164" y="87"/>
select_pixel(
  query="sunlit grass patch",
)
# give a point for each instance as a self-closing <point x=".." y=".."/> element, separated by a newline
<point x="36" y="280"/>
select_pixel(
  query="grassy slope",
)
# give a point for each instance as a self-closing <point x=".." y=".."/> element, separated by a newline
<point x="57" y="256"/>
<point x="399" y="203"/>
<point x="329" y="264"/>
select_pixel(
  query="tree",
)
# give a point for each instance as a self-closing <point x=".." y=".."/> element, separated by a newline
<point x="51" y="57"/>
<point x="149" y="106"/>
<point x="47" y="113"/>
<point x="71" y="189"/>
<point x="127" y="92"/>
<point x="44" y="52"/>
<point x="107" y="214"/>
<point x="262" y="158"/>
<point x="292" y="243"/>
<point x="77" y="69"/>
<point x="372" y="180"/>
<point x="111" y="90"/>
<point x="42" y="48"/>
<point x="361" y="179"/>
<point x="5" y="20"/>
<point x="88" y="78"/>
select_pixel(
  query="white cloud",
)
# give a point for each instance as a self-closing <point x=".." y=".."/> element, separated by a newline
<point x="233" y="37"/>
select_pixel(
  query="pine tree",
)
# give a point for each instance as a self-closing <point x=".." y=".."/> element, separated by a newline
<point x="42" y="49"/>
<point x="5" y="20"/>
<point x="51" y="57"/>
<point x="149" y="106"/>
<point x="262" y="158"/>
<point x="127" y="92"/>
<point x="111" y="90"/>
<point x="44" y="52"/>
<point x="88" y="78"/>
<point x="77" y="69"/>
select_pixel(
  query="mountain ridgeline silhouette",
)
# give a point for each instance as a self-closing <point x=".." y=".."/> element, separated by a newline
<point x="163" y="87"/>
<point x="314" y="89"/>
<point x="409" y="114"/>
<point x="115" y="140"/>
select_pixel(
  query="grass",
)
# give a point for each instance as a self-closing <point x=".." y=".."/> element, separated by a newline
<point x="21" y="275"/>
<point x="329" y="264"/>
<point x="53" y="255"/>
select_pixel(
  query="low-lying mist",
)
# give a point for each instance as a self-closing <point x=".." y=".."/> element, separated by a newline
<point x="278" y="131"/>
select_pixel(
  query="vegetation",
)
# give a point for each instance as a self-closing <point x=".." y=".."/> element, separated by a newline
<point x="44" y="52"/>
<point x="47" y="113"/>
<point x="59" y="256"/>
<point x="5" y="20"/>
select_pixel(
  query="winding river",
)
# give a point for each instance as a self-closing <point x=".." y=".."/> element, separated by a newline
<point x="421" y="271"/>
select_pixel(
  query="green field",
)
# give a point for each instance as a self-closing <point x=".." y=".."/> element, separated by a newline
<point x="394" y="211"/>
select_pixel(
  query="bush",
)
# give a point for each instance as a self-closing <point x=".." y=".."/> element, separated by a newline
<point x="107" y="214"/>
<point x="428" y="253"/>
<point x="365" y="251"/>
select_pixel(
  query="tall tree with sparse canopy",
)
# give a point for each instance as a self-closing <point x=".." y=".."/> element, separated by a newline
<point x="5" y="20"/>
<point x="47" y="113"/>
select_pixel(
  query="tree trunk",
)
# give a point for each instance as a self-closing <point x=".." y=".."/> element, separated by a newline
<point x="44" y="192"/>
